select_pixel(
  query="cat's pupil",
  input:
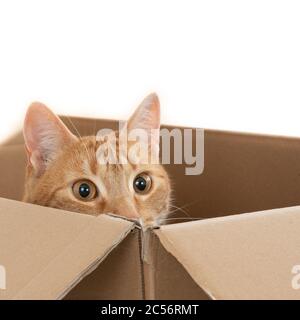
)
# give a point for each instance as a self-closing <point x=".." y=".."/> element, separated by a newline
<point x="140" y="183"/>
<point x="84" y="190"/>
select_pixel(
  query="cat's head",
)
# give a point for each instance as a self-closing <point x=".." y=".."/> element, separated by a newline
<point x="64" y="171"/>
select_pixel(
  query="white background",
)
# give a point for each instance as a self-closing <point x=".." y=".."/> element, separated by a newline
<point x="216" y="64"/>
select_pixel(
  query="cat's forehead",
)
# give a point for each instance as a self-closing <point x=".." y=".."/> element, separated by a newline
<point x="112" y="149"/>
<point x="89" y="145"/>
<point x="96" y="156"/>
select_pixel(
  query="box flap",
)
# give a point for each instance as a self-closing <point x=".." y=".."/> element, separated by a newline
<point x="249" y="256"/>
<point x="118" y="277"/>
<point x="46" y="252"/>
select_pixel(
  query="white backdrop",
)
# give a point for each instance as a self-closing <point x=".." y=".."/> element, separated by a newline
<point x="217" y="64"/>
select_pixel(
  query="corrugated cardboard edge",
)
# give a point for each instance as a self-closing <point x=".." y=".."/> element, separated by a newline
<point x="58" y="262"/>
<point x="147" y="249"/>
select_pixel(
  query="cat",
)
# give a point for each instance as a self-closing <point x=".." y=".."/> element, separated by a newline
<point x="63" y="170"/>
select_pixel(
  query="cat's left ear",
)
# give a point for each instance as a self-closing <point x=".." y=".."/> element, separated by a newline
<point x="45" y="136"/>
<point x="147" y="117"/>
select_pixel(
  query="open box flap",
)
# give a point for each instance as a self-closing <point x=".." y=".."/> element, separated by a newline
<point x="248" y="256"/>
<point x="52" y="249"/>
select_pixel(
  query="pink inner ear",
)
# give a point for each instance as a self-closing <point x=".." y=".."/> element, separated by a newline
<point x="44" y="134"/>
<point x="147" y="115"/>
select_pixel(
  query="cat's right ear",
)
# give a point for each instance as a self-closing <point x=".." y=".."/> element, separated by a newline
<point x="45" y="135"/>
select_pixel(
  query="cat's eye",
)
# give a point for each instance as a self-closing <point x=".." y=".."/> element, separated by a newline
<point x="84" y="190"/>
<point x="142" y="183"/>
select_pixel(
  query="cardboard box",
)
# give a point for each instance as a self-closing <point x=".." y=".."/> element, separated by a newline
<point x="245" y="245"/>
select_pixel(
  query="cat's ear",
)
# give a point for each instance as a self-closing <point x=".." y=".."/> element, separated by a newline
<point x="45" y="135"/>
<point x="147" y="117"/>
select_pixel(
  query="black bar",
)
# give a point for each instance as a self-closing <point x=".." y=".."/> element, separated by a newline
<point x="144" y="309"/>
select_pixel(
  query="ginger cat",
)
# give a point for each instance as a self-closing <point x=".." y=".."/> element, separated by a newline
<point x="63" y="170"/>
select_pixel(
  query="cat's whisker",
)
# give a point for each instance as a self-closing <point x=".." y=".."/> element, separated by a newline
<point x="74" y="127"/>
<point x="79" y="136"/>
<point x="172" y="213"/>
<point x="179" y="209"/>
<point x="184" y="206"/>
<point x="190" y="203"/>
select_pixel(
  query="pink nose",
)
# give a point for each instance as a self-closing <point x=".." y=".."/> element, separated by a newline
<point x="125" y="211"/>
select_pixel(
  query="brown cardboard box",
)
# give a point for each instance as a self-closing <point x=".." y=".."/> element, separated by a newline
<point x="245" y="244"/>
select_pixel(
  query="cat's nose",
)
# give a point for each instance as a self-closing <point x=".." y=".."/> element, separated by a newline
<point x="126" y="211"/>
